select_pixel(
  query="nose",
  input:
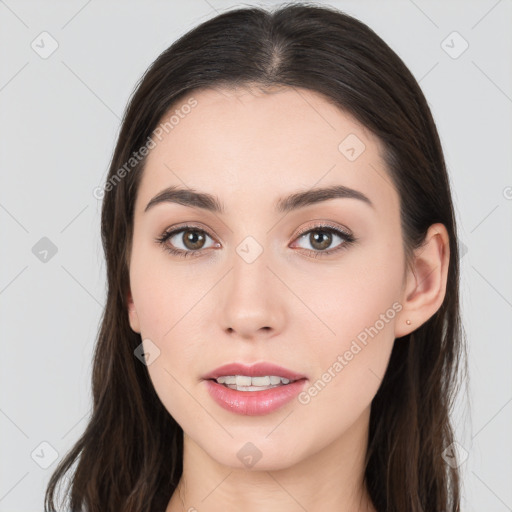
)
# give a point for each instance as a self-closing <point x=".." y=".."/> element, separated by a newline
<point x="251" y="302"/>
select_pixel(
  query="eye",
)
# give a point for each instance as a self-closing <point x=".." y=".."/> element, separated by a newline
<point x="185" y="241"/>
<point x="189" y="240"/>
<point x="323" y="236"/>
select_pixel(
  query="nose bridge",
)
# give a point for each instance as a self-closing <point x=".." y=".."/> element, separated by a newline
<point x="249" y="277"/>
<point x="251" y="301"/>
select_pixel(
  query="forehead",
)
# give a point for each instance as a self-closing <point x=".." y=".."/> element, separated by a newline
<point x="269" y="142"/>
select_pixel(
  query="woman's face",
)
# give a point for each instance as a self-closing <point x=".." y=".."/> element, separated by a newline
<point x="262" y="280"/>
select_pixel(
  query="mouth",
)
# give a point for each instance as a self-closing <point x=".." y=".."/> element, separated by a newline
<point x="261" y="375"/>
<point x="248" y="383"/>
<point x="253" y="390"/>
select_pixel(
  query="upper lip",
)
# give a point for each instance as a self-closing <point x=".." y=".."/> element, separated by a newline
<point x="256" y="370"/>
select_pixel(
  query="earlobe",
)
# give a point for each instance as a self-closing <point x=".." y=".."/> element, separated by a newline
<point x="426" y="281"/>
<point x="132" y="315"/>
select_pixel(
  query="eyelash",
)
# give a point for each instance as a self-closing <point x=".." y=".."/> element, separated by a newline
<point x="349" y="239"/>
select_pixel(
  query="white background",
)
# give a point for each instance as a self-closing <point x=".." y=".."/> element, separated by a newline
<point x="59" y="122"/>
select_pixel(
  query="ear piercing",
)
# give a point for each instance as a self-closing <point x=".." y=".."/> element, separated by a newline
<point x="408" y="322"/>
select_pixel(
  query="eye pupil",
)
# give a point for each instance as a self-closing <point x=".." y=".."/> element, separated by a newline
<point x="320" y="239"/>
<point x="193" y="239"/>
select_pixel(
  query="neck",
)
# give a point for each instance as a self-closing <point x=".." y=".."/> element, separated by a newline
<point x="330" y="479"/>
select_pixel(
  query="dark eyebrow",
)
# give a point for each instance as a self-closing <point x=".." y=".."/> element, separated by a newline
<point x="317" y="195"/>
<point x="194" y="199"/>
<point x="187" y="197"/>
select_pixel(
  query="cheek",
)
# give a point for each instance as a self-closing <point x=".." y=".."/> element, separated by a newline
<point x="164" y="294"/>
<point x="350" y="366"/>
<point x="361" y="309"/>
<point x="360" y="298"/>
<point x="369" y="288"/>
<point x="168" y="301"/>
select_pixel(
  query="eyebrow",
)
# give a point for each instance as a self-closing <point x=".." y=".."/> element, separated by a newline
<point x="194" y="199"/>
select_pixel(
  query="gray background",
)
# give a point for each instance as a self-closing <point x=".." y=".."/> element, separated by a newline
<point x="59" y="120"/>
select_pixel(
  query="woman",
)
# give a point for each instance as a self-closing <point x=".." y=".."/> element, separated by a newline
<point x="282" y="325"/>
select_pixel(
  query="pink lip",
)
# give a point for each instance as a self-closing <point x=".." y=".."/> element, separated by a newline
<point x="256" y="370"/>
<point x="254" y="403"/>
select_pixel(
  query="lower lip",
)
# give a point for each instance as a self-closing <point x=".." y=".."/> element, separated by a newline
<point x="254" y="403"/>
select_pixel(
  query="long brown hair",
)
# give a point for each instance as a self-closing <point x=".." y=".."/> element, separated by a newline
<point x="129" y="459"/>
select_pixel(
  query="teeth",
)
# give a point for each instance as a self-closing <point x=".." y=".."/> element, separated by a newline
<point x="252" y="388"/>
<point x="242" y="380"/>
<point x="246" y="383"/>
<point x="258" y="381"/>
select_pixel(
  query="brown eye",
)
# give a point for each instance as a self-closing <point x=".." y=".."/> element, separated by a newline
<point x="185" y="241"/>
<point x="193" y="239"/>
<point x="188" y="239"/>
<point x="322" y="238"/>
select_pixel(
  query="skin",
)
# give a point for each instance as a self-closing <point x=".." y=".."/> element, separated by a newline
<point x="249" y="148"/>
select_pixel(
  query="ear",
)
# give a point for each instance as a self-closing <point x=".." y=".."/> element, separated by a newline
<point x="425" y="284"/>
<point x="132" y="314"/>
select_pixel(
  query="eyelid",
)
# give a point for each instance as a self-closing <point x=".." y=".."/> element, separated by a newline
<point x="172" y="231"/>
<point x="183" y="227"/>
<point x="324" y="224"/>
